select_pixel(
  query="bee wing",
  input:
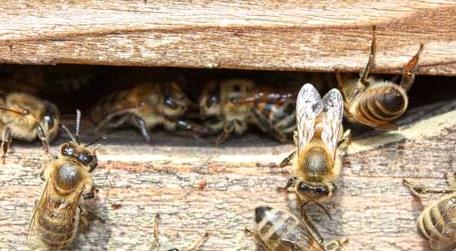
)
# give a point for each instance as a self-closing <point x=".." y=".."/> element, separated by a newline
<point x="308" y="106"/>
<point x="333" y="112"/>
<point x="446" y="240"/>
<point x="32" y="233"/>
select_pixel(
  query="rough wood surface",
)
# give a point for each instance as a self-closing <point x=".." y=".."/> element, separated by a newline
<point x="137" y="181"/>
<point x="280" y="35"/>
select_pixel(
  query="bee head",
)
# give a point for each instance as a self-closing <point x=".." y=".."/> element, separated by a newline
<point x="314" y="191"/>
<point x="209" y="101"/>
<point x="175" y="101"/>
<point x="80" y="154"/>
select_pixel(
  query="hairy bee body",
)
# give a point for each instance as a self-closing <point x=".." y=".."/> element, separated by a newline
<point x="375" y="102"/>
<point x="58" y="213"/>
<point x="33" y="112"/>
<point x="144" y="106"/>
<point x="316" y="159"/>
<point x="232" y="105"/>
<point x="280" y="230"/>
<point x="378" y="105"/>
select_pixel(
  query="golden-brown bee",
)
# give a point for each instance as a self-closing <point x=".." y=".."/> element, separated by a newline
<point x="59" y="211"/>
<point x="156" y="242"/>
<point x="375" y="102"/>
<point x="231" y="105"/>
<point x="144" y="107"/>
<point x="317" y="163"/>
<point x="26" y="117"/>
<point x="437" y="222"/>
<point x="281" y="230"/>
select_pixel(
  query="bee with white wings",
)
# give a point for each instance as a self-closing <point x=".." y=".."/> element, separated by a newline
<point x="316" y="160"/>
<point x="437" y="222"/>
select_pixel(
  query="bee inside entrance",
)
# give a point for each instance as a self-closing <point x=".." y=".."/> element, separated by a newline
<point x="269" y="103"/>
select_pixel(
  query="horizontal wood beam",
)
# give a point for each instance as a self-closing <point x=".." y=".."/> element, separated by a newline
<point x="266" y="35"/>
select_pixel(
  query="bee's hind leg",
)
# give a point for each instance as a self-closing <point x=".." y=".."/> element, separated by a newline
<point x="6" y="143"/>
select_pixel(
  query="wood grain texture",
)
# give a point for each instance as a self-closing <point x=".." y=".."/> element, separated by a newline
<point x="137" y="181"/>
<point x="269" y="35"/>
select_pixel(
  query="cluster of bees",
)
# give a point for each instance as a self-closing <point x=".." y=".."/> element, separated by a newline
<point x="225" y="107"/>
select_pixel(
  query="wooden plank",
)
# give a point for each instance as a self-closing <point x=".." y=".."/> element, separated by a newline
<point x="137" y="181"/>
<point x="268" y="35"/>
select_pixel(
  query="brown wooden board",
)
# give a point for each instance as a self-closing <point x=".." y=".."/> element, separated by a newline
<point x="269" y="35"/>
<point x="197" y="187"/>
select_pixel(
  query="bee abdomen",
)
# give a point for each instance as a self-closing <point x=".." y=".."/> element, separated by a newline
<point x="57" y="228"/>
<point x="383" y="105"/>
<point x="432" y="222"/>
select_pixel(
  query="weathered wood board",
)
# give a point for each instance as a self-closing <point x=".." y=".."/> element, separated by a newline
<point x="270" y="35"/>
<point x="137" y="181"/>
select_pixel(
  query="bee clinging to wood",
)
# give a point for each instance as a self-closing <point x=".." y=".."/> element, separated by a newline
<point x="231" y="105"/>
<point x="26" y="117"/>
<point x="437" y="222"/>
<point x="59" y="212"/>
<point x="376" y="102"/>
<point x="281" y="230"/>
<point x="156" y="242"/>
<point x="144" y="106"/>
<point x="317" y="163"/>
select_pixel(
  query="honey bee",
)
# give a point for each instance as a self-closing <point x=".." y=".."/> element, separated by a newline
<point x="231" y="105"/>
<point x="144" y="107"/>
<point x="437" y="222"/>
<point x="281" y="230"/>
<point x="26" y="117"/>
<point x="317" y="163"/>
<point x="59" y="211"/>
<point x="156" y="241"/>
<point x="376" y="102"/>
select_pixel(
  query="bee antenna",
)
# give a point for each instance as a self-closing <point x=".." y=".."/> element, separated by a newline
<point x="95" y="141"/>
<point x="68" y="132"/>
<point x="78" y="125"/>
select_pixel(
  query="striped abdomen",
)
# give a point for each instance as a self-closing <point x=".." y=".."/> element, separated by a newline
<point x="279" y="230"/>
<point x="380" y="103"/>
<point x="438" y="223"/>
<point x="57" y="223"/>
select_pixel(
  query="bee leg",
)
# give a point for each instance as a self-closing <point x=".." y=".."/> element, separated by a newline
<point x="198" y="243"/>
<point x="142" y="126"/>
<point x="264" y="124"/>
<point x="291" y="182"/>
<point x="336" y="245"/>
<point x="83" y="219"/>
<point x="227" y="130"/>
<point x="419" y="190"/>
<point x="42" y="136"/>
<point x="6" y="142"/>
<point x="371" y="62"/>
<point x="287" y="160"/>
<point x="310" y="225"/>
<point x="408" y="74"/>
<point x="345" y="140"/>
<point x="156" y="240"/>
<point x="251" y="233"/>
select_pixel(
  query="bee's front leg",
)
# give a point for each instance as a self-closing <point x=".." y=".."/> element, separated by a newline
<point x="6" y="143"/>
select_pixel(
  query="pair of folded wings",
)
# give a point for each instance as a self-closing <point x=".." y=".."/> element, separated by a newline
<point x="309" y="106"/>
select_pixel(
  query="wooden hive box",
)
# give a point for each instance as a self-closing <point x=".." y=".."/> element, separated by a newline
<point x="196" y="186"/>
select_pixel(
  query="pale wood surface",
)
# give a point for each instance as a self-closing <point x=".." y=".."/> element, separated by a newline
<point x="136" y="181"/>
<point x="280" y="35"/>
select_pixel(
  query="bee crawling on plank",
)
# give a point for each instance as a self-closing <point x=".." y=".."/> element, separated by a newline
<point x="280" y="230"/>
<point x="59" y="214"/>
<point x="437" y="222"/>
